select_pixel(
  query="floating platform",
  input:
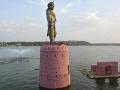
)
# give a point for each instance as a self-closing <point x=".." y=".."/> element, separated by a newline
<point x="90" y="75"/>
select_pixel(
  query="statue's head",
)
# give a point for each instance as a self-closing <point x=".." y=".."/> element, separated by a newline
<point x="51" y="5"/>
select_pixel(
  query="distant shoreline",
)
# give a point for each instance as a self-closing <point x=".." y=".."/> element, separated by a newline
<point x="70" y="43"/>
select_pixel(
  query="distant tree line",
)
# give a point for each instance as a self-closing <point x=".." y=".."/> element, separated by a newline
<point x="71" y="43"/>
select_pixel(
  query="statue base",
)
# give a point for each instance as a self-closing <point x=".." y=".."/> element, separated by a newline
<point x="54" y="66"/>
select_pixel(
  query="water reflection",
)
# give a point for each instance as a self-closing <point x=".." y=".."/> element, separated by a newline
<point x="100" y="81"/>
<point x="112" y="84"/>
<point x="67" y="88"/>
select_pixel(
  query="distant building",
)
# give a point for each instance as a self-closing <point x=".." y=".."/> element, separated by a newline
<point x="105" y="68"/>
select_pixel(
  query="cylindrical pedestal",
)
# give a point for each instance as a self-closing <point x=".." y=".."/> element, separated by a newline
<point x="54" y="66"/>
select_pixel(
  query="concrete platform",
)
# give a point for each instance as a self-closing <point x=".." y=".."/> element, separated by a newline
<point x="90" y="75"/>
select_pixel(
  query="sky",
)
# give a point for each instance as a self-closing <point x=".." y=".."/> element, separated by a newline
<point x="95" y="21"/>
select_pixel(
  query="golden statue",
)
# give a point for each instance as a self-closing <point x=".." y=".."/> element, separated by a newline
<point x="51" y="18"/>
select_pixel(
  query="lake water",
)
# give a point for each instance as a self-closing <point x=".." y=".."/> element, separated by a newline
<point x="19" y="67"/>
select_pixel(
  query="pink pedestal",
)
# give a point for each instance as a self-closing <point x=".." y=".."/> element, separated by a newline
<point x="54" y="66"/>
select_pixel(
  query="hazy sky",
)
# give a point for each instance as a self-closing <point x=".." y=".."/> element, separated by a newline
<point x="89" y="20"/>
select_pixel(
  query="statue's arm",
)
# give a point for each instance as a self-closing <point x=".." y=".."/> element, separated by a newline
<point x="49" y="18"/>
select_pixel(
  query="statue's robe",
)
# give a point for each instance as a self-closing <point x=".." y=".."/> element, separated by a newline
<point x="51" y="18"/>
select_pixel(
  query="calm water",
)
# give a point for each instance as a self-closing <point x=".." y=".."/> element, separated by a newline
<point x="19" y="67"/>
